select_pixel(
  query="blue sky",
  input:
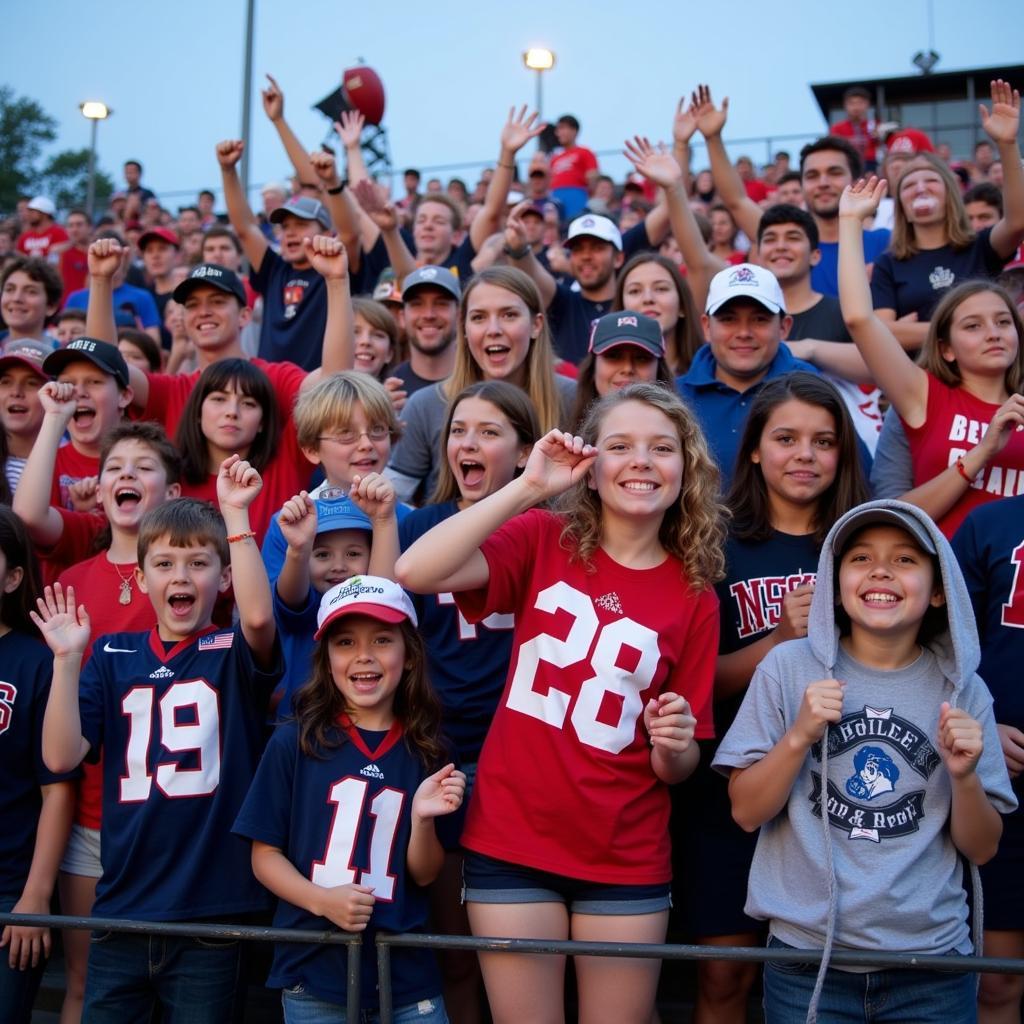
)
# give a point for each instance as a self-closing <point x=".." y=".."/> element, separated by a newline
<point x="172" y="72"/>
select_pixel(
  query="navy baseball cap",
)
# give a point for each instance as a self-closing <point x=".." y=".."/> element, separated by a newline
<point x="305" y="208"/>
<point x="215" y="276"/>
<point x="436" y="277"/>
<point x="624" y="328"/>
<point x="100" y="353"/>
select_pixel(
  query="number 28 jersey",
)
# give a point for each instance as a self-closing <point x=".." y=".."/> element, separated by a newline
<point x="181" y="732"/>
<point x="565" y="782"/>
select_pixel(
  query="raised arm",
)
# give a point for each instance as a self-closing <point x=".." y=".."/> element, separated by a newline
<point x="105" y="258"/>
<point x="448" y="557"/>
<point x="684" y="124"/>
<point x="661" y="168"/>
<point x="516" y="133"/>
<point x="519" y="253"/>
<point x="273" y="107"/>
<point x="297" y="520"/>
<point x="373" y="199"/>
<point x="243" y="220"/>
<point x="728" y="184"/>
<point x="903" y="381"/>
<point x="1002" y="126"/>
<point x="327" y="256"/>
<point x="345" y="214"/>
<point x="375" y="495"/>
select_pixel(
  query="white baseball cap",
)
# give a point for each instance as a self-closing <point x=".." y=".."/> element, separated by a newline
<point x="595" y="226"/>
<point x="43" y="205"/>
<point x="747" y="281"/>
<point x="375" y="596"/>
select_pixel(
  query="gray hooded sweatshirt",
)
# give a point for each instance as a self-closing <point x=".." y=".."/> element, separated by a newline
<point x="898" y="883"/>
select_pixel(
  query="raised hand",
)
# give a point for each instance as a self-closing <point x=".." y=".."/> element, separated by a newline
<point x="796" y="607"/>
<point x="439" y="794"/>
<point x="325" y="166"/>
<point x="710" y="119"/>
<point x="298" y="522"/>
<point x="684" y="124"/>
<point x="373" y="199"/>
<point x="1003" y="123"/>
<point x="1008" y="418"/>
<point x="395" y="388"/>
<point x="657" y="165"/>
<point x="84" y="493"/>
<point x="65" y="627"/>
<point x="860" y="200"/>
<point x="520" y="128"/>
<point x="273" y="100"/>
<point x="374" y="494"/>
<point x="58" y="399"/>
<point x="229" y="152"/>
<point x="350" y="128"/>
<point x="105" y="256"/>
<point x="822" y="705"/>
<point x="238" y="483"/>
<point x="669" y="723"/>
<point x="515" y="229"/>
<point x="347" y="906"/>
<point x="961" y="740"/>
<point x="558" y="460"/>
<point x="327" y="256"/>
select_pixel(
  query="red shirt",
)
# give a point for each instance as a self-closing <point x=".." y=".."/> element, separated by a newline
<point x="74" y="270"/>
<point x="38" y="243"/>
<point x="861" y="135"/>
<point x="569" y="167"/>
<point x="955" y="422"/>
<point x="70" y="467"/>
<point x="565" y="782"/>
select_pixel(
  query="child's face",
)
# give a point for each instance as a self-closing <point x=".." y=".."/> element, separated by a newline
<point x="337" y="556"/>
<point x="639" y="469"/>
<point x="982" y="336"/>
<point x="21" y="412"/>
<point x="133" y="481"/>
<point x="887" y="583"/>
<point x="183" y="584"/>
<point x="99" y="403"/>
<point x="133" y="355"/>
<point x="373" y="346"/>
<point x="69" y="329"/>
<point x="23" y="304"/>
<point x="367" y="659"/>
<point x="348" y="450"/>
<point x="798" y="454"/>
<point x="484" y="450"/>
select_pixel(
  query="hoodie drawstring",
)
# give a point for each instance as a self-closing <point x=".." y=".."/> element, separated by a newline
<point x="833" y="890"/>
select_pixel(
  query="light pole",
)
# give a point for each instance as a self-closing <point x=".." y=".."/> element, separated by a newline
<point x="539" y="59"/>
<point x="95" y="111"/>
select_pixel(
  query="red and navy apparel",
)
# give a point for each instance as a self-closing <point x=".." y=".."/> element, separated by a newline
<point x="76" y="543"/>
<point x="70" y="467"/>
<point x="571" y="167"/>
<point x="374" y="260"/>
<point x="990" y="549"/>
<point x="181" y="731"/>
<point x="467" y="661"/>
<point x="24" y="689"/>
<point x="565" y="782"/>
<point x="344" y="818"/>
<point x="294" y="311"/>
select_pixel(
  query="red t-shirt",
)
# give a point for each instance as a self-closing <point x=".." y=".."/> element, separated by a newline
<point x="861" y="135"/>
<point x="565" y="782"/>
<point x="955" y="422"/>
<point x="37" y="243"/>
<point x="756" y="190"/>
<point x="74" y="270"/>
<point x="569" y="167"/>
<point x="75" y="545"/>
<point x="70" y="467"/>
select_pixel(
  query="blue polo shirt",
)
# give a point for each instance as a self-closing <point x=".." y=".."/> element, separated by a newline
<point x="722" y="410"/>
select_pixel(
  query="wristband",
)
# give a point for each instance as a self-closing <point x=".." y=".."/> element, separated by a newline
<point x="962" y="470"/>
<point x="508" y="167"/>
<point x="235" y="538"/>
<point x="515" y="254"/>
<point x="336" y="191"/>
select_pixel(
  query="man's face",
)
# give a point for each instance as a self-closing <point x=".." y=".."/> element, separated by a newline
<point x="189" y="222"/>
<point x="34" y="219"/>
<point x="205" y="204"/>
<point x="221" y="250"/>
<point x="790" y="192"/>
<point x="786" y="251"/>
<point x="159" y="257"/>
<point x="294" y="232"/>
<point x="593" y="262"/>
<point x="983" y="155"/>
<point x="744" y="338"/>
<point x="745" y="169"/>
<point x="412" y="183"/>
<point x="132" y="174"/>
<point x="856" y="108"/>
<point x="981" y="215"/>
<point x="23" y="304"/>
<point x="433" y="229"/>
<point x="430" y="319"/>
<point x="213" y="318"/>
<point x="565" y="133"/>
<point x="78" y="229"/>
<point x="825" y="175"/>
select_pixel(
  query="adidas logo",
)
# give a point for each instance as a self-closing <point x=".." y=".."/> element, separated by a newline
<point x="371" y="771"/>
<point x="163" y="672"/>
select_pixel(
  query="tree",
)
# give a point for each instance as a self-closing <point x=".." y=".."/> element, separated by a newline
<point x="24" y="128"/>
<point x="65" y="179"/>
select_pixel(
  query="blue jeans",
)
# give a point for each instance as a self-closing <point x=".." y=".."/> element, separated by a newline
<point x="195" y="981"/>
<point x="921" y="997"/>
<point x="17" y="988"/>
<point x="301" y="1007"/>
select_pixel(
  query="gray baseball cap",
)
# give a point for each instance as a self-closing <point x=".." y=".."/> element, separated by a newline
<point x="436" y="277"/>
<point x="305" y="208"/>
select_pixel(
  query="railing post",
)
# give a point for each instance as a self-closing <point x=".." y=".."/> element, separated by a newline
<point x="384" y="980"/>
<point x="354" y="950"/>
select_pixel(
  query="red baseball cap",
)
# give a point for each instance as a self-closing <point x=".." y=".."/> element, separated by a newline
<point x="163" y="234"/>
<point x="909" y="140"/>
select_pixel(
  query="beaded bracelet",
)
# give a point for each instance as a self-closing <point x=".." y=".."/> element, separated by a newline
<point x="242" y="536"/>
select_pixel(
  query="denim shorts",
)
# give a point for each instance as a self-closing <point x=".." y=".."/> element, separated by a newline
<point x="302" y="1007"/>
<point x="486" y="880"/>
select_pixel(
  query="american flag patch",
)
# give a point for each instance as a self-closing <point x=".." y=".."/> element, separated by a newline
<point x="216" y="642"/>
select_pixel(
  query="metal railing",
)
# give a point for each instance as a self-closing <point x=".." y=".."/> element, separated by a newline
<point x="385" y="943"/>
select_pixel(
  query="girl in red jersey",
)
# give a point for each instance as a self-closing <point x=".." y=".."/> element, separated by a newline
<point x="961" y="404"/>
<point x="610" y="680"/>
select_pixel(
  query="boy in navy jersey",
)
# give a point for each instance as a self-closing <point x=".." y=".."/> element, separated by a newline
<point x="179" y="711"/>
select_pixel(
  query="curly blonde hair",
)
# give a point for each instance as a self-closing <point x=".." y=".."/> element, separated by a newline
<point x="693" y="529"/>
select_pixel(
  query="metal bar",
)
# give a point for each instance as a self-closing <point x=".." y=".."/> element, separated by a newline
<point x="353" y="990"/>
<point x="246" y="132"/>
<point x="90" y="194"/>
<point x="384" y="980"/>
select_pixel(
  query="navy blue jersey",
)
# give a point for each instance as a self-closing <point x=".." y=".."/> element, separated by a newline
<point x="990" y="549"/>
<point x="294" y="311"/>
<point x="344" y="819"/>
<point x="571" y="318"/>
<point x="468" y="662"/>
<point x="24" y="688"/>
<point x="181" y="732"/>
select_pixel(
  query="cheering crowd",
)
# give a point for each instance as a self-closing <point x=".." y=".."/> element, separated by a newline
<point x="553" y="558"/>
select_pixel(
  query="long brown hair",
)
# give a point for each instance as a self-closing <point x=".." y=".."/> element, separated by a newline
<point x="540" y="361"/>
<point x="748" y="500"/>
<point x="683" y="341"/>
<point x="693" y="528"/>
<point x="958" y="227"/>
<point x="320" y="702"/>
<point x="586" y="389"/>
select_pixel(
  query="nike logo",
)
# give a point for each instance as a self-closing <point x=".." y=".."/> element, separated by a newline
<point x="118" y="650"/>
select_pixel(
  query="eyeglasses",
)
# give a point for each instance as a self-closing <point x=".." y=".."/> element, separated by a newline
<point x="378" y="432"/>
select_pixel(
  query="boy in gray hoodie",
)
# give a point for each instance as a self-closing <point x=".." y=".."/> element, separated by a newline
<point x="879" y="708"/>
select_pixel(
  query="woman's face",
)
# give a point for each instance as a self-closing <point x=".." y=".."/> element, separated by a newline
<point x="231" y="420"/>
<point x="499" y="331"/>
<point x="723" y="230"/>
<point x="624" y="364"/>
<point x="705" y="183"/>
<point x="373" y="347"/>
<point x="650" y="289"/>
<point x="982" y="336"/>
<point x="484" y="450"/>
<point x="923" y="195"/>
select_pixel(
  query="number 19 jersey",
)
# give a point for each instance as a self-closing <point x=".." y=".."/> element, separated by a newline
<point x="565" y="782"/>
